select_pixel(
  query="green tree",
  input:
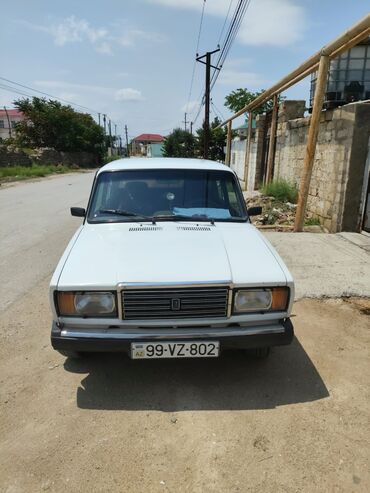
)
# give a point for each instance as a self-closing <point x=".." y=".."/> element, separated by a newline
<point x="179" y="143"/>
<point x="239" y="98"/>
<point x="217" y="141"/>
<point x="49" y="123"/>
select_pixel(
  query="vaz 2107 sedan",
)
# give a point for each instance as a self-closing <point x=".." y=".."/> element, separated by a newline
<point x="168" y="265"/>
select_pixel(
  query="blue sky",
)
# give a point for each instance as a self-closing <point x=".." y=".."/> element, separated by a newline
<point x="133" y="59"/>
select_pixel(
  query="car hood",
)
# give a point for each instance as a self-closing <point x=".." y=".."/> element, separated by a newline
<point x="104" y="255"/>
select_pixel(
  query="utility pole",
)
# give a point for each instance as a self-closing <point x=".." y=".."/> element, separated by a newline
<point x="9" y="126"/>
<point x="110" y="137"/>
<point x="185" y="121"/>
<point x="99" y="118"/>
<point x="127" y="148"/>
<point x="105" y="123"/>
<point x="191" y="128"/>
<point x="208" y="65"/>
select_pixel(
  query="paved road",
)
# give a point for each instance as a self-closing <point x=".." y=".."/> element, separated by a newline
<point x="298" y="422"/>
<point x="35" y="227"/>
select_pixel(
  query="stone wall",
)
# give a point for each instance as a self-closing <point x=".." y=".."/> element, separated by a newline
<point x="16" y="157"/>
<point x="10" y="157"/>
<point x="338" y="171"/>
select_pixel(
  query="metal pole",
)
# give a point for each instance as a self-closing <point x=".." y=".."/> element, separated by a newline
<point x="191" y="128"/>
<point x="352" y="36"/>
<point x="228" y="145"/>
<point x="311" y="142"/>
<point x="9" y="125"/>
<point x="271" y="152"/>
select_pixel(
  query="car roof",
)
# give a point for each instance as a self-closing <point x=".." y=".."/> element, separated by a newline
<point x="163" y="163"/>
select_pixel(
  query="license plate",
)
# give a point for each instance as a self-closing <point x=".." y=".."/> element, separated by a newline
<point x="153" y="350"/>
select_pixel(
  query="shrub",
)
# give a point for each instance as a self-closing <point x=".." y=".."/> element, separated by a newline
<point x="281" y="190"/>
<point x="312" y="221"/>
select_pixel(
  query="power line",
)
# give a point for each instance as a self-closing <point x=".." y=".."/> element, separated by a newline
<point x="50" y="95"/>
<point x="224" y="24"/>
<point x="217" y="111"/>
<point x="15" y="90"/>
<point x="232" y="32"/>
<point x="196" y="54"/>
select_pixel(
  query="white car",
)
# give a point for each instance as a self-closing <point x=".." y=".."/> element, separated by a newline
<point x="168" y="265"/>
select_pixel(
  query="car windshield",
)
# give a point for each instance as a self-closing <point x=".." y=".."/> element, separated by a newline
<point x="166" y="194"/>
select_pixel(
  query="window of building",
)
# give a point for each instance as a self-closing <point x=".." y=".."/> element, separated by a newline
<point x="2" y="124"/>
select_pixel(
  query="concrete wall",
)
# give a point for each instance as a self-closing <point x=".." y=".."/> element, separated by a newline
<point x="338" y="172"/>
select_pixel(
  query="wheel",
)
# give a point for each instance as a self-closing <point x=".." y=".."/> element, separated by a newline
<point x="259" y="352"/>
<point x="71" y="354"/>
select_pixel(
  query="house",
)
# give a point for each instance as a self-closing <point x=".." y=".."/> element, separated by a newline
<point x="155" y="150"/>
<point x="8" y="120"/>
<point x="140" y="144"/>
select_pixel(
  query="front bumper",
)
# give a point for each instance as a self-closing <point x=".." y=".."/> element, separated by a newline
<point x="271" y="334"/>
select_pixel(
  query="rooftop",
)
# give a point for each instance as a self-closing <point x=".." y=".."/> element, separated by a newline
<point x="163" y="163"/>
<point x="149" y="138"/>
<point x="11" y="112"/>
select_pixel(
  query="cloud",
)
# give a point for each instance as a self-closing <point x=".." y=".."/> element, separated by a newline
<point x="103" y="40"/>
<point x="130" y="37"/>
<point x="266" y="22"/>
<point x="273" y="22"/>
<point x="124" y="94"/>
<point x="128" y="94"/>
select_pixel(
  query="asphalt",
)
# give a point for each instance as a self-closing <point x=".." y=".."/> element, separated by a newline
<point x="36" y="226"/>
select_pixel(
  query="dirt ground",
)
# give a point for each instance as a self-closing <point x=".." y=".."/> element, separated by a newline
<point x="299" y="421"/>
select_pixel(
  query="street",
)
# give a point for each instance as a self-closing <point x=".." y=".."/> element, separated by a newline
<point x="299" y="421"/>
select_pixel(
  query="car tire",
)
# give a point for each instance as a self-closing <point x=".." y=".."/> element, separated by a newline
<point x="71" y="354"/>
<point x="259" y="352"/>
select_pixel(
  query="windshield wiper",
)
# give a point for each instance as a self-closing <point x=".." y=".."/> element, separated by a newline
<point x="120" y="212"/>
<point x="181" y="217"/>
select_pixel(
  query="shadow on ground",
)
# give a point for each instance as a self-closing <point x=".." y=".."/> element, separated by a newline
<point x="231" y="382"/>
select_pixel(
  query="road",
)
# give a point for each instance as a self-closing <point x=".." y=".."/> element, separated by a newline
<point x="297" y="422"/>
<point x="35" y="227"/>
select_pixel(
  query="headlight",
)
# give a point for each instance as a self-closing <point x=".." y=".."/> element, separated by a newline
<point x="261" y="300"/>
<point x="86" y="304"/>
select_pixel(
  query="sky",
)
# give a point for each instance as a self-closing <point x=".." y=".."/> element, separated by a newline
<point x="133" y="59"/>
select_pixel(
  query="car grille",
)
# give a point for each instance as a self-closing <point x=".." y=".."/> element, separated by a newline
<point x="174" y="303"/>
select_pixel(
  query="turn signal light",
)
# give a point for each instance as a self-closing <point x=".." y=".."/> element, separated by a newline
<point x="280" y="297"/>
<point x="66" y="303"/>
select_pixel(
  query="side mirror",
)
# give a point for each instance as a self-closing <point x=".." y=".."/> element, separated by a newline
<point x="78" y="211"/>
<point x="254" y="211"/>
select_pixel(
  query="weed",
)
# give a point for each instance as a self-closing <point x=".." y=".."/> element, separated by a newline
<point x="281" y="190"/>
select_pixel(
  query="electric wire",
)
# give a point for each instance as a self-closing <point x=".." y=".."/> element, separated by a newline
<point x="50" y="95"/>
<point x="235" y="24"/>
<point x="196" y="51"/>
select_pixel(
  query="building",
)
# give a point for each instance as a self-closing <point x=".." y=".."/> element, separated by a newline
<point x="339" y="192"/>
<point x="8" y="120"/>
<point x="140" y="144"/>
<point x="349" y="77"/>
<point x="155" y="150"/>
